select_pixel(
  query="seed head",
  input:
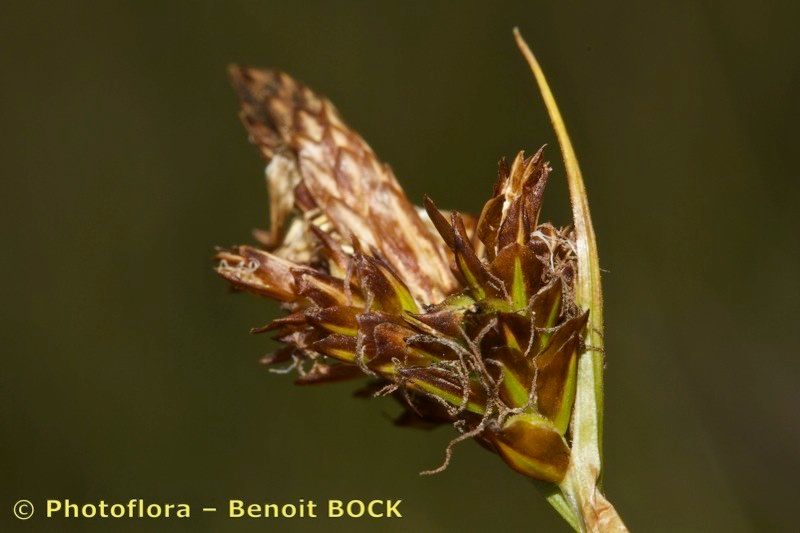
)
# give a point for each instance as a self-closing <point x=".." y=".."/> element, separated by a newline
<point x="468" y="321"/>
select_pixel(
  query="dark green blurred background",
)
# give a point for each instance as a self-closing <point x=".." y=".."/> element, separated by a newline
<point x="127" y="369"/>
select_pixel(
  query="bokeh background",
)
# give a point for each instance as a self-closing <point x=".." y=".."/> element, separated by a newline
<point x="127" y="370"/>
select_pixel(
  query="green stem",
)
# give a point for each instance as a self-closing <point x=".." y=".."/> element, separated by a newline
<point x="555" y="497"/>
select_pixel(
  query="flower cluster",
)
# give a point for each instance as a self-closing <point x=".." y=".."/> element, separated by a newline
<point x="466" y="321"/>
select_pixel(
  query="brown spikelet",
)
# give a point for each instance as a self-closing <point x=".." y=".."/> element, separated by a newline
<point x="338" y="170"/>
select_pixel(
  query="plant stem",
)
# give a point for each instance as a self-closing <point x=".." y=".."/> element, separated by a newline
<point x="555" y="497"/>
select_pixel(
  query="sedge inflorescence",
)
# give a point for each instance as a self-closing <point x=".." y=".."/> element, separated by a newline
<point x="465" y="320"/>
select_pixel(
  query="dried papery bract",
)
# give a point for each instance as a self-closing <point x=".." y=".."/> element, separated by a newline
<point x="490" y="324"/>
